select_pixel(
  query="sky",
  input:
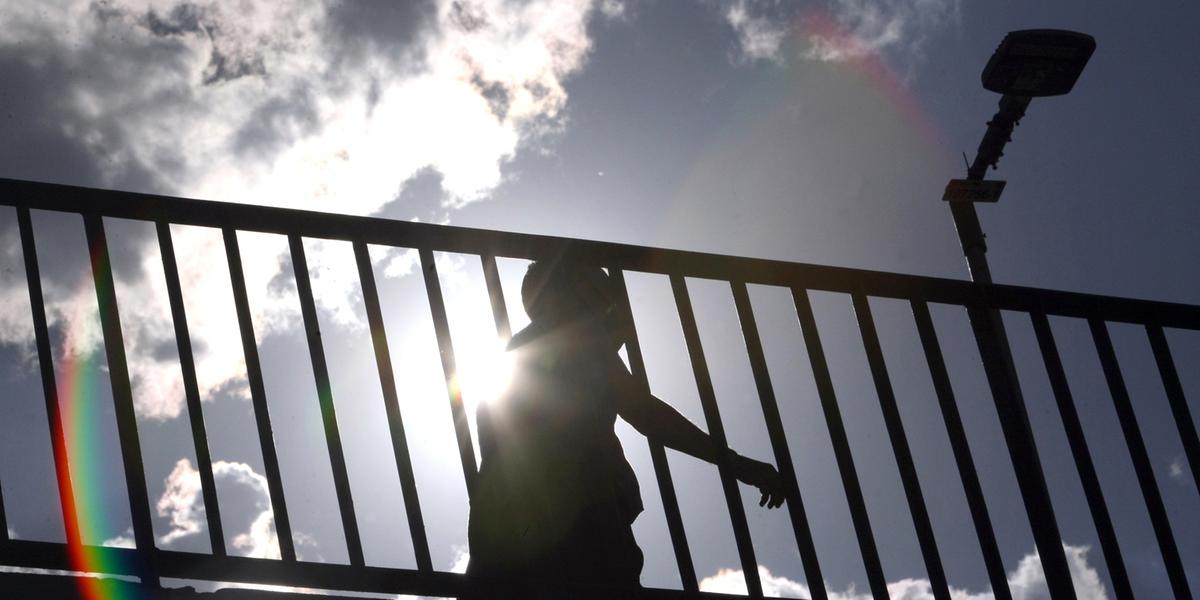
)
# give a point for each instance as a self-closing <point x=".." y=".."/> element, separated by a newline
<point x="817" y="131"/>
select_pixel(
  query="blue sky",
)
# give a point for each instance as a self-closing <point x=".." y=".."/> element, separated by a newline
<point x="818" y="132"/>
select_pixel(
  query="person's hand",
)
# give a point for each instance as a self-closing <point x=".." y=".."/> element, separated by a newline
<point x="762" y="476"/>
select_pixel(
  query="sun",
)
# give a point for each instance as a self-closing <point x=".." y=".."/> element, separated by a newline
<point x="485" y="368"/>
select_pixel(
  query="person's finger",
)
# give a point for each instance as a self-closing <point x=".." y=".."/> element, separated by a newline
<point x="765" y="497"/>
<point x="777" y="496"/>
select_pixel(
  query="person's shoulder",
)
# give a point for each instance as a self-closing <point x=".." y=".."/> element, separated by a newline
<point x="616" y="372"/>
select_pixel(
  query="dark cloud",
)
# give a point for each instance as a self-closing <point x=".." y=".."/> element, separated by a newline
<point x="31" y="123"/>
<point x="381" y="21"/>
<point x="162" y="349"/>
<point x="222" y="67"/>
<point x="283" y="283"/>
<point x="61" y="253"/>
<point x="183" y="19"/>
<point x="47" y="138"/>
<point x="467" y="16"/>
<point x="495" y="93"/>
<point x="190" y="19"/>
<point x="278" y="121"/>
<point x="379" y="28"/>
<point x="26" y="461"/>
<point x="422" y="198"/>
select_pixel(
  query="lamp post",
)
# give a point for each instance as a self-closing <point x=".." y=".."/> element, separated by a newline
<point x="1027" y="64"/>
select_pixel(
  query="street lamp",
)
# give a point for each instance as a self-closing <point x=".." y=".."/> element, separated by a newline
<point x="1027" y="64"/>
<point x="1038" y="62"/>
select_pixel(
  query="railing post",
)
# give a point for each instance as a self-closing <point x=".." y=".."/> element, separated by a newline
<point x="900" y="448"/>
<point x="258" y="396"/>
<point x="716" y="431"/>
<point x="779" y="444"/>
<point x="491" y="276"/>
<point x="1001" y="375"/>
<point x="391" y="404"/>
<point x="658" y="456"/>
<point x="1083" y="458"/>
<point x="58" y="439"/>
<point x="841" y="445"/>
<point x="441" y="327"/>
<point x="3" y="517"/>
<point x="967" y="473"/>
<point x="1142" y="467"/>
<point x="191" y="389"/>
<point x="1179" y="407"/>
<point x="333" y="437"/>
<point x="118" y="374"/>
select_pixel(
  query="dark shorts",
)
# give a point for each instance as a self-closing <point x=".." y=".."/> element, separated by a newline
<point x="599" y="554"/>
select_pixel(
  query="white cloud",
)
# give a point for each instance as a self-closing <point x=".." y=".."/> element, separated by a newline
<point x="856" y="28"/>
<point x="1175" y="469"/>
<point x="124" y="540"/>
<point x="260" y="541"/>
<point x="839" y="30"/>
<point x="759" y="37"/>
<point x="1027" y="582"/>
<point x="612" y="9"/>
<point x="182" y="503"/>
<point x="462" y="558"/>
<point x="256" y="102"/>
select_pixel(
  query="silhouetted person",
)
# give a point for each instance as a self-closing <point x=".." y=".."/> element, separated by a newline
<point x="555" y="500"/>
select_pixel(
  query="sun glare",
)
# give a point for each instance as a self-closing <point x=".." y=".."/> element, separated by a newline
<point x="485" y="369"/>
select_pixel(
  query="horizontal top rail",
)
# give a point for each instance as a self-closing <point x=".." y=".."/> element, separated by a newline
<point x="444" y="238"/>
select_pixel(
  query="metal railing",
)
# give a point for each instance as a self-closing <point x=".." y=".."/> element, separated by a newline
<point x="150" y="563"/>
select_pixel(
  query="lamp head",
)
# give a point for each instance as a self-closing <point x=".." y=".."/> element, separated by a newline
<point x="1038" y="62"/>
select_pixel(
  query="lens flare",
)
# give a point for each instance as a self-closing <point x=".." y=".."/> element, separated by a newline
<point x="80" y="373"/>
<point x="487" y="370"/>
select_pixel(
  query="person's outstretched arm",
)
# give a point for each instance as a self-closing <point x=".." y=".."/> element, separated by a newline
<point x="661" y="423"/>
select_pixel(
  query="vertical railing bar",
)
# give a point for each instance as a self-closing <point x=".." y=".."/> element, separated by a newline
<point x="462" y="430"/>
<point x="972" y="488"/>
<point x="58" y="439"/>
<point x="391" y="403"/>
<point x="491" y="276"/>
<point x="118" y="375"/>
<point x="658" y="455"/>
<point x="900" y="448"/>
<point x="333" y="438"/>
<point x="779" y="444"/>
<point x="841" y="445"/>
<point x="191" y="388"/>
<point x="991" y="339"/>
<point x="483" y="420"/>
<point x="1179" y="407"/>
<point x="3" y="517"/>
<point x="716" y="430"/>
<point x="258" y="396"/>
<point x="1141" y="459"/>
<point x="1083" y="458"/>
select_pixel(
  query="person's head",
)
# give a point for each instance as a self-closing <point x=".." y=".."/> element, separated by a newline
<point x="554" y="291"/>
